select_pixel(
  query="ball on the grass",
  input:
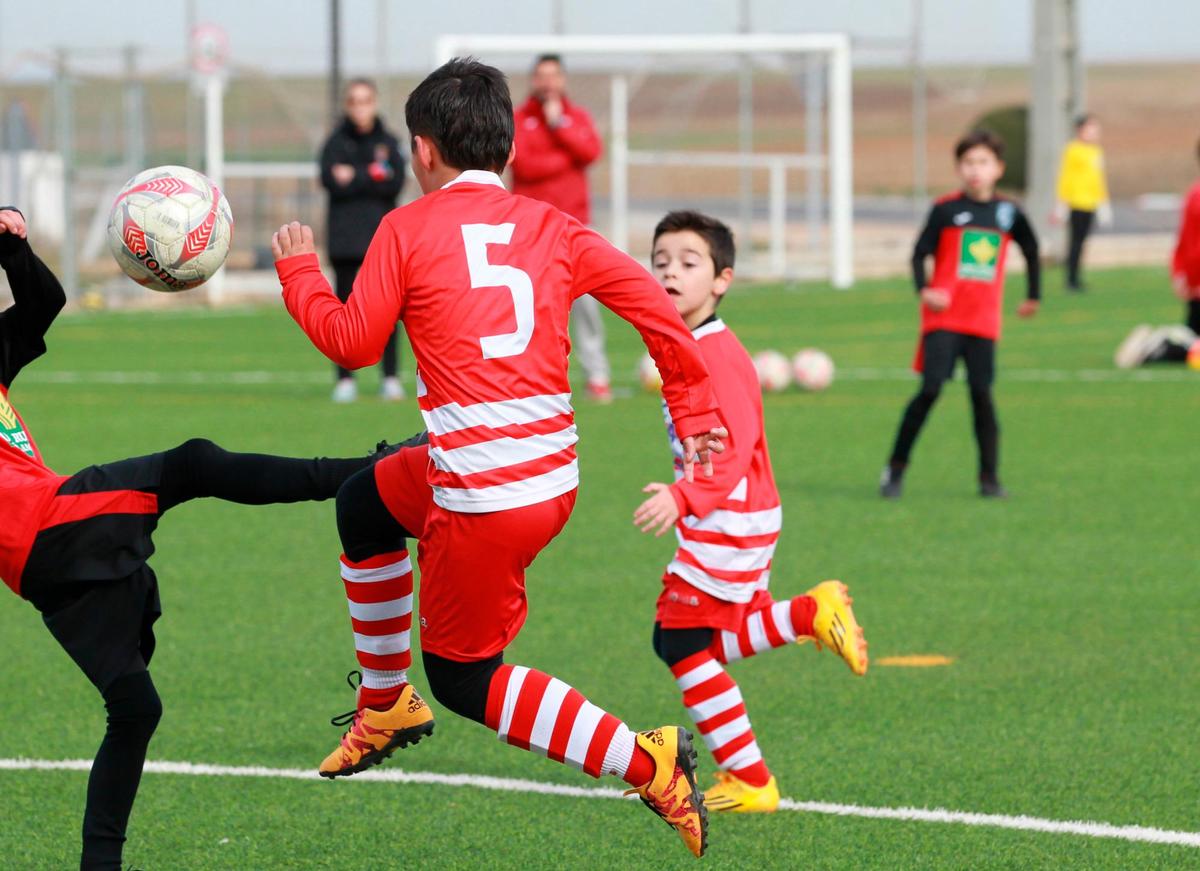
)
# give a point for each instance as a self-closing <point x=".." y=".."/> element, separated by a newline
<point x="774" y="373"/>
<point x="648" y="375"/>
<point x="170" y="228"/>
<point x="813" y="369"/>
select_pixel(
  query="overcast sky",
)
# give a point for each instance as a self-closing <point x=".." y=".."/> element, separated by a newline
<point x="292" y="36"/>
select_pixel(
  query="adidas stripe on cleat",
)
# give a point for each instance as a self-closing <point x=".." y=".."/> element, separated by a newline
<point x="672" y="792"/>
<point x="731" y="794"/>
<point x="835" y="627"/>
<point x="373" y="735"/>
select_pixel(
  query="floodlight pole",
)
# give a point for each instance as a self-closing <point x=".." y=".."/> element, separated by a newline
<point x="214" y="153"/>
<point x="920" y="114"/>
<point x="335" y="60"/>
<point x="745" y="132"/>
<point x="135" y="139"/>
<point x="841" y="176"/>
<point x="64" y="111"/>
<point x="618" y="160"/>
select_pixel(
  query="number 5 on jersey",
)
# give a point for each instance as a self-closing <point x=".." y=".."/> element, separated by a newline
<point x="476" y="238"/>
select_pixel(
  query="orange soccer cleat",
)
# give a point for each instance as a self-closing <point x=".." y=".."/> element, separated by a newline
<point x="373" y="735"/>
<point x="672" y="792"/>
<point x="835" y="627"/>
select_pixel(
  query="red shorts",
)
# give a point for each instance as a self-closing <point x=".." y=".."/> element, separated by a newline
<point x="472" y="597"/>
<point x="682" y="606"/>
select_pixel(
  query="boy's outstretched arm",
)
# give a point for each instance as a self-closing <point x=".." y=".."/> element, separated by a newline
<point x="625" y="287"/>
<point x="37" y="298"/>
<point x="352" y="334"/>
<point x="1023" y="235"/>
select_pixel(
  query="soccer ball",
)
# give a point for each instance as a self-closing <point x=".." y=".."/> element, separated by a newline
<point x="170" y="228"/>
<point x="813" y="369"/>
<point x="774" y="373"/>
<point x="648" y="374"/>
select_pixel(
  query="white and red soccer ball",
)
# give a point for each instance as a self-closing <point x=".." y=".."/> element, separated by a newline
<point x="170" y="228"/>
<point x="774" y="371"/>
<point x="813" y="369"/>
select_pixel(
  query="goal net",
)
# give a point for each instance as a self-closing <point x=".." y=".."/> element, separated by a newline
<point x="753" y="128"/>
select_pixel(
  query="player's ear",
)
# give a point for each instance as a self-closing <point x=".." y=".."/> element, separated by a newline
<point x="512" y="154"/>
<point x="423" y="153"/>
<point x="722" y="281"/>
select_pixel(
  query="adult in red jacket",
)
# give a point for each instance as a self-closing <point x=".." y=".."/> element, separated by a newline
<point x="1185" y="264"/>
<point x="556" y="141"/>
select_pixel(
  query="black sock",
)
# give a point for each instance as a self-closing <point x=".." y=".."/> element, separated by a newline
<point x="133" y="712"/>
<point x="987" y="433"/>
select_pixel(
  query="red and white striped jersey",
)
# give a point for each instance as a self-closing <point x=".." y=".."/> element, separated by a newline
<point x="728" y="523"/>
<point x="483" y="281"/>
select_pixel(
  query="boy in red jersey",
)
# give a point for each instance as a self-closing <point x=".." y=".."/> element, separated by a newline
<point x="76" y="547"/>
<point x="483" y="281"/>
<point x="967" y="234"/>
<point x="714" y="607"/>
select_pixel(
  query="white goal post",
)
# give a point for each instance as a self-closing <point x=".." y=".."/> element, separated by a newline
<point x="837" y="162"/>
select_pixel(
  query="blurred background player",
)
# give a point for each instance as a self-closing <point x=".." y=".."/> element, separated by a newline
<point x="967" y="234"/>
<point x="714" y="607"/>
<point x="556" y="143"/>
<point x="1082" y="193"/>
<point x="363" y="171"/>
<point x="1174" y="343"/>
<point x="76" y="547"/>
<point x="498" y="479"/>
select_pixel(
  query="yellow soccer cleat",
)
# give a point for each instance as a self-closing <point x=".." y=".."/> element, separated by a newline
<point x="373" y="735"/>
<point x="835" y="627"/>
<point x="732" y="794"/>
<point x="672" y="792"/>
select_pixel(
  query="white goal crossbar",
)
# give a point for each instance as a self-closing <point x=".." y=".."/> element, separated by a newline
<point x="838" y="163"/>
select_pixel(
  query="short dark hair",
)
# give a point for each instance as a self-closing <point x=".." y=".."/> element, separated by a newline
<point x="550" y="58"/>
<point x="718" y="236"/>
<point x="977" y="138"/>
<point x="1082" y="119"/>
<point x="465" y="109"/>
<point x="362" y="81"/>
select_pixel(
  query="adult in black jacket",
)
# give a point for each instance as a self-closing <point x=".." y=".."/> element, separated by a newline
<point x="363" y="171"/>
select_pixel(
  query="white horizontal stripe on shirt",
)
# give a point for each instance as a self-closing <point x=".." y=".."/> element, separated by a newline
<point x="502" y="452"/>
<point x="727" y="591"/>
<point x="729" y="558"/>
<point x="516" y="494"/>
<point x="739" y="523"/>
<point x="452" y="417"/>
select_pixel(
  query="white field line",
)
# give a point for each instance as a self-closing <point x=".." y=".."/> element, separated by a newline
<point x="1049" y="376"/>
<point x="1145" y="834"/>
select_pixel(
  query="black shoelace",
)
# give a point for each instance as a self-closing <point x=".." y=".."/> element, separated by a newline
<point x="347" y="718"/>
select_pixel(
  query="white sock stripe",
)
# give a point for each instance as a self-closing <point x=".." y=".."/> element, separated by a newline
<point x="516" y="679"/>
<point x="586" y="720"/>
<point x="382" y="573"/>
<point x="718" y="704"/>
<point x="757" y="633"/>
<point x="781" y="613"/>
<point x="374" y="679"/>
<point x="722" y="735"/>
<point x="547" y="716"/>
<point x="748" y="755"/>
<point x="698" y="675"/>
<point x="619" y="753"/>
<point x="382" y="645"/>
<point x="372" y="611"/>
<point x="729" y="643"/>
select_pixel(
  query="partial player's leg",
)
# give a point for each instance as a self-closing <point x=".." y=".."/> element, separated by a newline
<point x="473" y="604"/>
<point x="980" y="358"/>
<point x="587" y="325"/>
<point x="376" y="571"/>
<point x="1193" y="316"/>
<point x="1080" y="226"/>
<point x="939" y="350"/>
<point x="344" y="272"/>
<point x="714" y="702"/>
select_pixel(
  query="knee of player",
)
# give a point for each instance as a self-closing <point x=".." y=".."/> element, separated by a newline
<point x="132" y="702"/>
<point x="461" y="687"/>
<point x="676" y="645"/>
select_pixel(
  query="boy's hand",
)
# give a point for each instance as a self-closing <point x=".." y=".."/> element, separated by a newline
<point x="1028" y="308"/>
<point x="292" y="239"/>
<point x="701" y="447"/>
<point x="12" y="222"/>
<point x="659" y="510"/>
<point x="935" y="299"/>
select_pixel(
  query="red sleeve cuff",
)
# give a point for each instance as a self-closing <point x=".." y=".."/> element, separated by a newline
<point x="289" y="267"/>
<point x="680" y="498"/>
<point x="694" y="424"/>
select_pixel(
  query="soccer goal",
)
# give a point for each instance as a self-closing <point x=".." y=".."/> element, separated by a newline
<point x="755" y="128"/>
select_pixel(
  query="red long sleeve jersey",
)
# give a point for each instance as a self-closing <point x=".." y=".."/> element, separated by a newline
<point x="1186" y="261"/>
<point x="27" y="487"/>
<point x="728" y="523"/>
<point x="551" y="162"/>
<point x="483" y="281"/>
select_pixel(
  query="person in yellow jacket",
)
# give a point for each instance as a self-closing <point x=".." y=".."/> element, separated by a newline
<point x="1082" y="192"/>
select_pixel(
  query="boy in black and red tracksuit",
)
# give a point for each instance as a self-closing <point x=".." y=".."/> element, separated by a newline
<point x="76" y="547"/>
<point x="967" y="234"/>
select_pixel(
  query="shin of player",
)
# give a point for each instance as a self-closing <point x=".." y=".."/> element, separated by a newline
<point x="483" y="282"/>
<point x="714" y="605"/>
<point x="967" y="234"/>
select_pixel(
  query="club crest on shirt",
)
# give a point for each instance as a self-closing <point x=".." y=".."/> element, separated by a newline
<point x="1006" y="213"/>
<point x="10" y="428"/>
<point x="962" y="219"/>
<point x="979" y="253"/>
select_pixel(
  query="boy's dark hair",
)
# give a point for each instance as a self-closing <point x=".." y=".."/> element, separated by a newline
<point x="716" y="234"/>
<point x="360" y="81"/>
<point x="975" y="139"/>
<point x="1080" y="120"/>
<point x="465" y="109"/>
<point x="549" y="59"/>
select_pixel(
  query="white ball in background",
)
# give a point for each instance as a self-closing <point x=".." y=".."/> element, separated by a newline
<point x="774" y="372"/>
<point x="648" y="375"/>
<point x="813" y="369"/>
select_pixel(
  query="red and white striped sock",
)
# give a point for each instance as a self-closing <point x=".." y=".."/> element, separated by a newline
<point x="379" y="591"/>
<point x="778" y="624"/>
<point x="530" y="709"/>
<point x="715" y="704"/>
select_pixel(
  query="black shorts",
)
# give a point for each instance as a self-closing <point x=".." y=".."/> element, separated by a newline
<point x="942" y="350"/>
<point x="89" y="578"/>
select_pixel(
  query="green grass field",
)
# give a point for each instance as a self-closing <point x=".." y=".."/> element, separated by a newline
<point x="1071" y="610"/>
